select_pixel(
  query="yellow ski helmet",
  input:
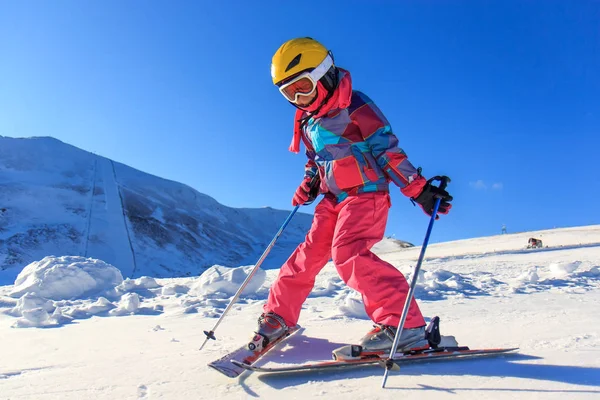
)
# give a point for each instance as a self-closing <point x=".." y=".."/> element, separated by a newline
<point x="295" y="56"/>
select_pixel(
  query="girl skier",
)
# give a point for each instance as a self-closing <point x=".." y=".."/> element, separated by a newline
<point x="353" y="152"/>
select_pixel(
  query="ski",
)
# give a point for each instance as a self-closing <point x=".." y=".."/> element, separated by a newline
<point x="446" y="353"/>
<point x="226" y="366"/>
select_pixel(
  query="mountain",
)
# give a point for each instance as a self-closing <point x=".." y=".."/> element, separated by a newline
<point x="56" y="199"/>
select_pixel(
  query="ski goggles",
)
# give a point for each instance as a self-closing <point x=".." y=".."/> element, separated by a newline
<point x="305" y="83"/>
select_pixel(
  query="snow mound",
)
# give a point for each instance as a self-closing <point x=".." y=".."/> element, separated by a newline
<point x="441" y="284"/>
<point x="36" y="311"/>
<point x="353" y="306"/>
<point x="174" y="290"/>
<point x="56" y="290"/>
<point x="529" y="276"/>
<point x="67" y="277"/>
<point x="142" y="283"/>
<point x="210" y="294"/>
<point x="566" y="276"/>
<point x="99" y="306"/>
<point x="226" y="281"/>
<point x="563" y="269"/>
<point x="327" y="288"/>
<point x="129" y="304"/>
<point x="431" y="286"/>
<point x="389" y="245"/>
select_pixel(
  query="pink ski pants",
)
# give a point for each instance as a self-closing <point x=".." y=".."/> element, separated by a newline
<point x="345" y="232"/>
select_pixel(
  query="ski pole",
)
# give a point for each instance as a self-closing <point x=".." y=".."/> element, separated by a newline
<point x="389" y="363"/>
<point x="211" y="334"/>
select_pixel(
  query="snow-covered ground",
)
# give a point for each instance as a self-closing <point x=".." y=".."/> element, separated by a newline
<point x="72" y="328"/>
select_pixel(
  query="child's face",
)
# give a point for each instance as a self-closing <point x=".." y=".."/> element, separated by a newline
<point x="304" y="100"/>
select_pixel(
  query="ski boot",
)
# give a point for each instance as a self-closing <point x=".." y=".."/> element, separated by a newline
<point x="270" y="328"/>
<point x="381" y="338"/>
<point x="379" y="341"/>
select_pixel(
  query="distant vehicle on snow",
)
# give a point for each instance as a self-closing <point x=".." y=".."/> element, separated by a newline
<point x="534" y="243"/>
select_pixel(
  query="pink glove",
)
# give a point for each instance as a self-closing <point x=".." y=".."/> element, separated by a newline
<point x="302" y="193"/>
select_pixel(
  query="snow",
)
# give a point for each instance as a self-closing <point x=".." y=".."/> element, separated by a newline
<point x="107" y="223"/>
<point x="227" y="281"/>
<point x="129" y="304"/>
<point x="57" y="290"/>
<point x="390" y="245"/>
<point x="61" y="278"/>
<point x="564" y="269"/>
<point x="140" y="338"/>
<point x="61" y="200"/>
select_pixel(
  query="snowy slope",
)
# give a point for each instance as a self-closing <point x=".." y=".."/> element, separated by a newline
<point x="107" y="223"/>
<point x="60" y="200"/>
<point x="139" y="339"/>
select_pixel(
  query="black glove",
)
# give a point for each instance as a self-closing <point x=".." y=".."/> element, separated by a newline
<point x="426" y="199"/>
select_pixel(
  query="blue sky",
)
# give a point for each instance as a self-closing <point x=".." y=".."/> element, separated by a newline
<point x="502" y="96"/>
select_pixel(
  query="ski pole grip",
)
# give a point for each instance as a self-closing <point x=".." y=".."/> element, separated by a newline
<point x="314" y="182"/>
<point x="444" y="180"/>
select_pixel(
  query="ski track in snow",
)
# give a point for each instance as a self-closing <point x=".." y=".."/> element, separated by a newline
<point x="114" y="207"/>
<point x="106" y="221"/>
<point x="90" y="210"/>
<point x="487" y="295"/>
